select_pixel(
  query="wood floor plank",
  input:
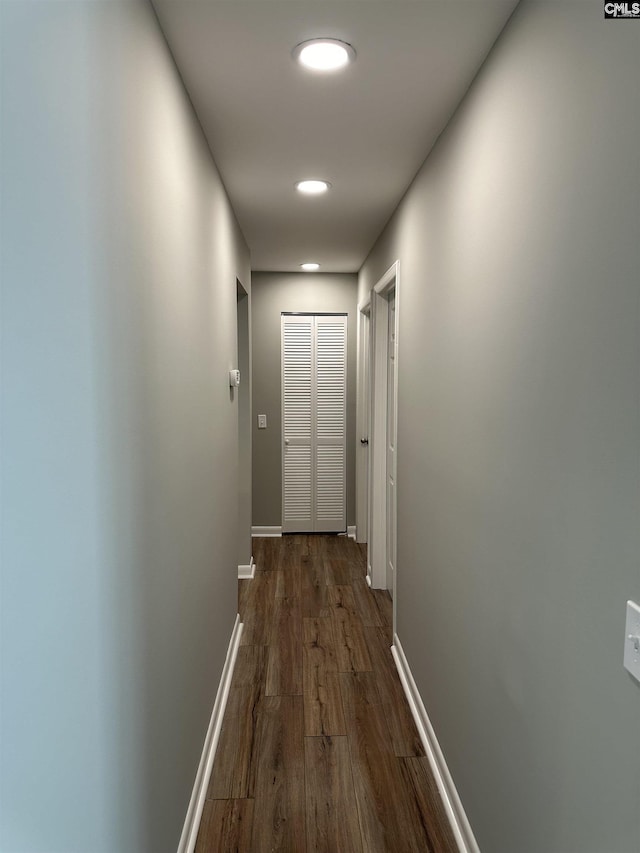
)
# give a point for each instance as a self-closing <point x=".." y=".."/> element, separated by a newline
<point x="387" y="633"/>
<point x="384" y="604"/>
<point x="429" y="802"/>
<point x="352" y="553"/>
<point x="370" y="758"/>
<point x="337" y="571"/>
<point x="290" y="553"/>
<point x="331" y="809"/>
<point x="323" y="713"/>
<point x="366" y="604"/>
<point x="313" y="587"/>
<point x="284" y="666"/>
<point x="279" y="781"/>
<point x="424" y="790"/>
<point x="225" y="826"/>
<point x="289" y="582"/>
<point x="341" y="597"/>
<point x="315" y="545"/>
<point x="243" y="589"/>
<point x="250" y="668"/>
<point x="267" y="552"/>
<point x="336" y="546"/>
<point x="258" y="609"/>
<point x="319" y="643"/>
<point x="234" y="766"/>
<point x="279" y="590"/>
<point x="256" y="550"/>
<point x="257" y="547"/>
<point x="363" y="552"/>
<point x="304" y="545"/>
<point x="405" y="739"/>
<point x="351" y="647"/>
<point x="279" y="745"/>
<point x="389" y="817"/>
<point x="358" y="570"/>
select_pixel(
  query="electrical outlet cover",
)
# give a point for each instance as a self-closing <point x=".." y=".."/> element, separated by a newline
<point x="632" y="640"/>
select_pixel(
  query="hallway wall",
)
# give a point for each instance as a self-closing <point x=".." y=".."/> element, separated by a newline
<point x="519" y="418"/>
<point x="119" y="432"/>
<point x="272" y="294"/>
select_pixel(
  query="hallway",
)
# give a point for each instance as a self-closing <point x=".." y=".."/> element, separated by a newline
<point x="318" y="749"/>
<point x="478" y="158"/>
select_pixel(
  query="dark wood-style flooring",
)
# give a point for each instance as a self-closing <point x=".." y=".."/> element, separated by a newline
<point x="318" y="750"/>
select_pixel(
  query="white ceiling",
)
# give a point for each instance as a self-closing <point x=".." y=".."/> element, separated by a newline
<point x="367" y="129"/>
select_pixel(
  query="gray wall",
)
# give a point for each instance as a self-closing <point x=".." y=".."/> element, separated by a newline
<point x="119" y="435"/>
<point x="272" y="294"/>
<point x="519" y="422"/>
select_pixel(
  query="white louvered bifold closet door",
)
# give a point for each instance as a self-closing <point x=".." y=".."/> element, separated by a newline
<point x="314" y="397"/>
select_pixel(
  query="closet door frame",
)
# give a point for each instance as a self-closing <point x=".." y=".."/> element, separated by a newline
<point x="380" y="514"/>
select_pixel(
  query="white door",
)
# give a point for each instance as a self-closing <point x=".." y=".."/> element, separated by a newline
<point x="391" y="444"/>
<point x="314" y="394"/>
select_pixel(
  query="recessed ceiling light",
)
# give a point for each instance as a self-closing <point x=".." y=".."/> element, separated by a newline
<point x="324" y="54"/>
<point x="310" y="267"/>
<point x="312" y="187"/>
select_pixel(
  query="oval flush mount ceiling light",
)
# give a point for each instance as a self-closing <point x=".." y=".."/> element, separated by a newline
<point x="324" y="54"/>
<point x="310" y="267"/>
<point x="312" y="187"/>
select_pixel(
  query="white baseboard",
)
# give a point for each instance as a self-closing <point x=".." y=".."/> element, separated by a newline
<point x="247" y="572"/>
<point x="258" y="530"/>
<point x="453" y="805"/>
<point x="266" y="531"/>
<point x="196" y="804"/>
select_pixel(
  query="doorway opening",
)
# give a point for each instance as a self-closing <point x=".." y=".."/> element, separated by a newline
<point x="242" y="394"/>
<point x="363" y="425"/>
<point x="383" y="419"/>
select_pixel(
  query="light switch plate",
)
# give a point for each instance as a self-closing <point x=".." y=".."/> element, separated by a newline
<point x="262" y="421"/>
<point x="632" y="640"/>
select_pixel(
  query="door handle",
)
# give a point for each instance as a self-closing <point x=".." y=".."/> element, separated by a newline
<point x="364" y="441"/>
<point x="286" y="441"/>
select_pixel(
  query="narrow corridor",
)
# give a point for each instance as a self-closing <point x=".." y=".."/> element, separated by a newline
<point x="318" y="749"/>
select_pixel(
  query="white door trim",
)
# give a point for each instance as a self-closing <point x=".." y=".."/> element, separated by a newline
<point x="363" y="380"/>
<point x="378" y="440"/>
